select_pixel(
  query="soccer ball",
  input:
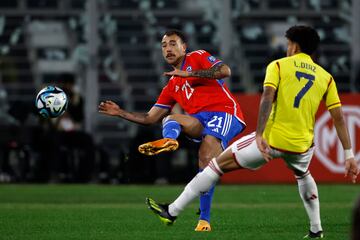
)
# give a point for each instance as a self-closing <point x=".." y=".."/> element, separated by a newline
<point x="51" y="102"/>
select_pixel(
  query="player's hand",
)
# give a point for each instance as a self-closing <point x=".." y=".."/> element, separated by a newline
<point x="177" y="72"/>
<point x="264" y="148"/>
<point x="351" y="169"/>
<point x="109" y="108"/>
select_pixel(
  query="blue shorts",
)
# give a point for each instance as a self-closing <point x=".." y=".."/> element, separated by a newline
<point x="221" y="125"/>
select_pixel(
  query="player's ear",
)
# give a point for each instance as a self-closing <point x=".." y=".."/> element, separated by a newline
<point x="184" y="47"/>
<point x="297" y="48"/>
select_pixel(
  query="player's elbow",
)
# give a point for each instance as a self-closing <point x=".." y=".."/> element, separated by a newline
<point x="225" y="71"/>
<point x="148" y="122"/>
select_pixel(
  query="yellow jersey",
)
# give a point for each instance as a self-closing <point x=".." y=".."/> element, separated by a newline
<point x="300" y="86"/>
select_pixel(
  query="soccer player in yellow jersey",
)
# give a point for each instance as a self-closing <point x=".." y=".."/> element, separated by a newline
<point x="294" y="86"/>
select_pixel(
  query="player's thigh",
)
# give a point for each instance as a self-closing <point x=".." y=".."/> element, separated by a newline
<point x="190" y="126"/>
<point x="246" y="152"/>
<point x="299" y="163"/>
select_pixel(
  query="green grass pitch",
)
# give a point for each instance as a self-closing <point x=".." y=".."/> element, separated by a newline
<point x="119" y="212"/>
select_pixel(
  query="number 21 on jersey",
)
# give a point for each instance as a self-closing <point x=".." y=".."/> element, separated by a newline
<point x="188" y="89"/>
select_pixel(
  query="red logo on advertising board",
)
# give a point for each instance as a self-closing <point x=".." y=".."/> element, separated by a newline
<point x="328" y="148"/>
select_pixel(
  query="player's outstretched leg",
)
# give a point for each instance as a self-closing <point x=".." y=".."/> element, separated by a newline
<point x="161" y="210"/>
<point x="202" y="182"/>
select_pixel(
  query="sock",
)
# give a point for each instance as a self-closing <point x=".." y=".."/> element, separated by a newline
<point x="201" y="183"/>
<point x="205" y="203"/>
<point x="171" y="129"/>
<point x="309" y="194"/>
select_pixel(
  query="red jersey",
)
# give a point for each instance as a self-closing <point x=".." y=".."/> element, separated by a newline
<point x="196" y="94"/>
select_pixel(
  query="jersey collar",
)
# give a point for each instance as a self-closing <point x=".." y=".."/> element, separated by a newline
<point x="304" y="55"/>
<point x="183" y="63"/>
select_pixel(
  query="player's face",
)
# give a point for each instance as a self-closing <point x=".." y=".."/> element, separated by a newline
<point x="291" y="48"/>
<point x="173" y="49"/>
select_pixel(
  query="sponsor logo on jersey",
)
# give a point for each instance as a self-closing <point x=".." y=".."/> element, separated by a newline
<point x="212" y="59"/>
<point x="215" y="130"/>
<point x="189" y="69"/>
<point x="328" y="148"/>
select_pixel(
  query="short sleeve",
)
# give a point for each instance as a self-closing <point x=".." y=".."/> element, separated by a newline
<point x="165" y="100"/>
<point x="272" y="77"/>
<point x="205" y="59"/>
<point x="332" y="99"/>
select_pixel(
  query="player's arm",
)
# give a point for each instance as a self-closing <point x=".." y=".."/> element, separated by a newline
<point x="218" y="71"/>
<point x="351" y="167"/>
<point x="112" y="109"/>
<point x="267" y="99"/>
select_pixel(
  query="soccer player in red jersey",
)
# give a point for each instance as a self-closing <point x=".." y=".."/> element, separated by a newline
<point x="212" y="113"/>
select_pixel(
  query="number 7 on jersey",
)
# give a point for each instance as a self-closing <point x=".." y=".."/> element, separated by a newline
<point x="306" y="88"/>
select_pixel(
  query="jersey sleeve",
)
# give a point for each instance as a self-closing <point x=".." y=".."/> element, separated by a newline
<point x="205" y="59"/>
<point x="332" y="99"/>
<point x="165" y="100"/>
<point x="272" y="77"/>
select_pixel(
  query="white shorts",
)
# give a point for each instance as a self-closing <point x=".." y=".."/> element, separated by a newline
<point x="248" y="155"/>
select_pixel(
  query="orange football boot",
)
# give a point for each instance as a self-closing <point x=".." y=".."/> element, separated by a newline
<point x="203" y="226"/>
<point x="158" y="146"/>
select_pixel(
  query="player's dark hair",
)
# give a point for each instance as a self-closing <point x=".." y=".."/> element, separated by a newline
<point x="307" y="38"/>
<point x="179" y="33"/>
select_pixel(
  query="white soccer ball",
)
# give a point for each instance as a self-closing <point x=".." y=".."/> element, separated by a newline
<point x="51" y="102"/>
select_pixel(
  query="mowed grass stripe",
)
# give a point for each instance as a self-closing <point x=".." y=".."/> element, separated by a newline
<point x="139" y="205"/>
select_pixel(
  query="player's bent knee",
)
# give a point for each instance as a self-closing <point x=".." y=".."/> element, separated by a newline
<point x="167" y="118"/>
<point x="174" y="117"/>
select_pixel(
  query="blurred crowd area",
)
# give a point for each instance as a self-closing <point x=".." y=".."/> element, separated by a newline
<point x="109" y="49"/>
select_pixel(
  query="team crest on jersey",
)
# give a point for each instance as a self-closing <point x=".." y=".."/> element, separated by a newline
<point x="212" y="59"/>
<point x="176" y="88"/>
<point x="189" y="69"/>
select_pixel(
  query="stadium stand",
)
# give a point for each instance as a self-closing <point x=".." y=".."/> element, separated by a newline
<point x="41" y="39"/>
